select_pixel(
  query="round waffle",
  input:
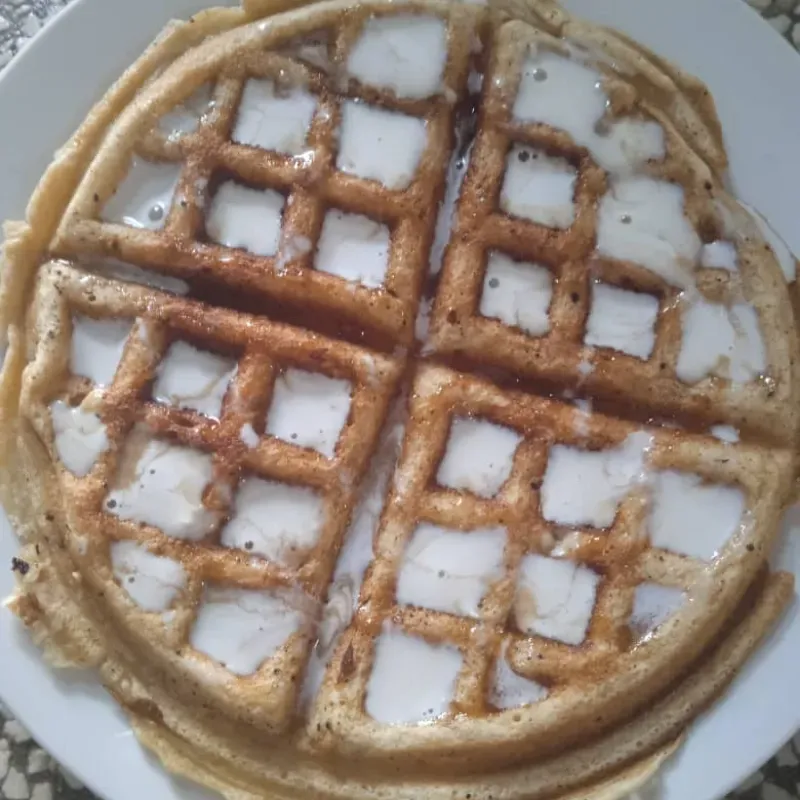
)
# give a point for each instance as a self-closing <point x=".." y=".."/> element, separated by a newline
<point x="397" y="403"/>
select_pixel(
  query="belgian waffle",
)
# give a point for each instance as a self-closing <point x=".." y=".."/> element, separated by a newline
<point x="146" y="492"/>
<point x="640" y="195"/>
<point x="322" y="192"/>
<point x="377" y="423"/>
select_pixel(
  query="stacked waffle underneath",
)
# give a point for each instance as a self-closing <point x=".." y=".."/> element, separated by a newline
<point x="402" y="421"/>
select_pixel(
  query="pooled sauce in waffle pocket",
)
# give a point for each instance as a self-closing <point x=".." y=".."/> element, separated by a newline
<point x="414" y="407"/>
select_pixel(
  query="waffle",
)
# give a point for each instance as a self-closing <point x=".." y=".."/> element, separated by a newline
<point x="323" y="192"/>
<point x="139" y="475"/>
<point x="625" y="182"/>
<point x="376" y="423"/>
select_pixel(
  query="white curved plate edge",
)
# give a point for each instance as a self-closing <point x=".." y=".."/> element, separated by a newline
<point x="69" y="714"/>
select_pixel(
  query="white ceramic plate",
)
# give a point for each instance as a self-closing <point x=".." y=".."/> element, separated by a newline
<point x="753" y="75"/>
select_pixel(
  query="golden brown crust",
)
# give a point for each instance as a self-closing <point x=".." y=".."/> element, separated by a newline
<point x="614" y="773"/>
<point x="460" y="332"/>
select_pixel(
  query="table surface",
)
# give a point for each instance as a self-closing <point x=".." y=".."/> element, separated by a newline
<point x="28" y="773"/>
